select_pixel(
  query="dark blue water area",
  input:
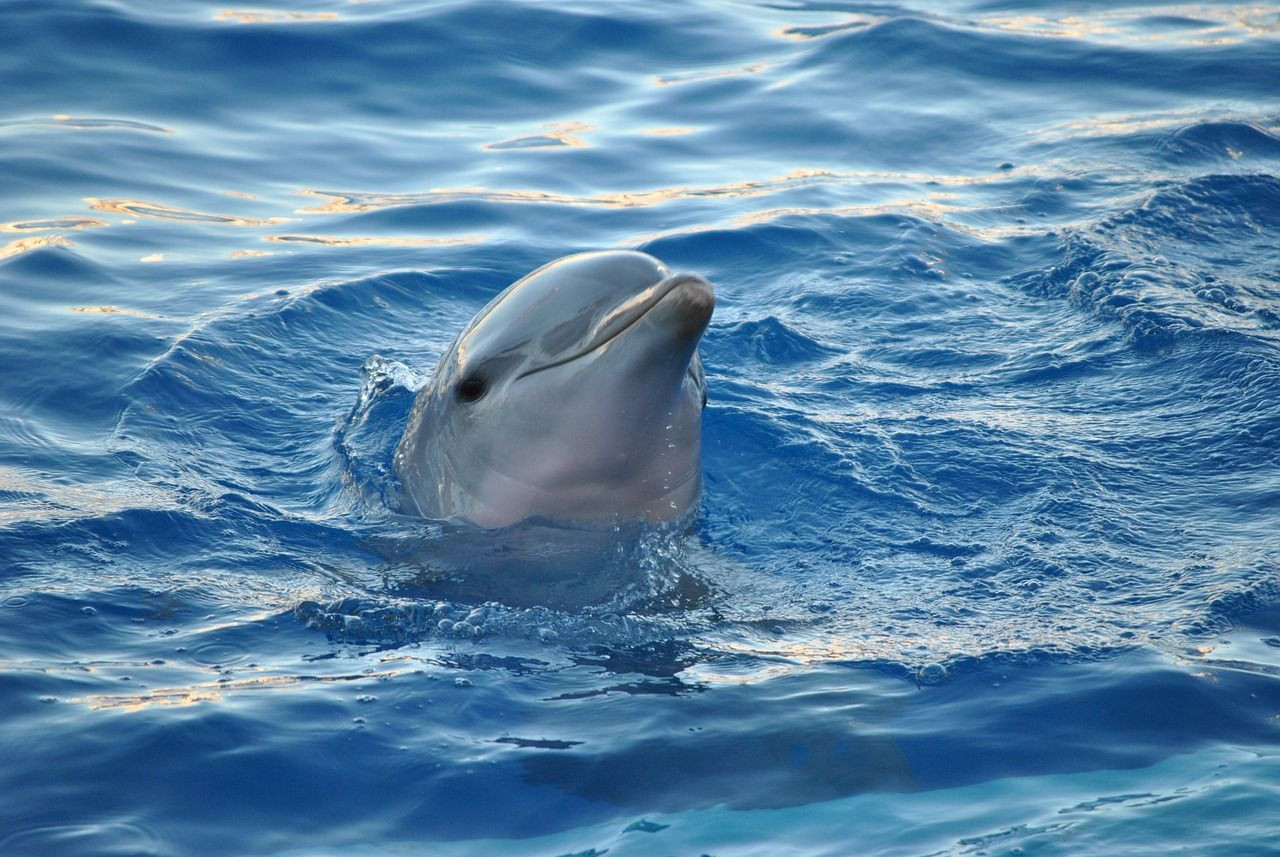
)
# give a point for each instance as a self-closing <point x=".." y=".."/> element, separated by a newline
<point x="988" y="555"/>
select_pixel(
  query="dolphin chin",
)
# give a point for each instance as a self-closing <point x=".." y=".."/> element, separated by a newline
<point x="575" y="396"/>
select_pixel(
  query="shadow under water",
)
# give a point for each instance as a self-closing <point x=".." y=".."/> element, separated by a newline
<point x="534" y="564"/>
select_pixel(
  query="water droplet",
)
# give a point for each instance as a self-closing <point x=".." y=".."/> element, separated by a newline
<point x="931" y="674"/>
<point x="366" y="699"/>
<point x="89" y="611"/>
<point x="462" y="682"/>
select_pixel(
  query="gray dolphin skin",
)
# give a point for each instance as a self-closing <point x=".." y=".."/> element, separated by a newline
<point x="575" y="396"/>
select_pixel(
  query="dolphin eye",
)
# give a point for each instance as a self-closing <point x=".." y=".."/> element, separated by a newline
<point x="471" y="389"/>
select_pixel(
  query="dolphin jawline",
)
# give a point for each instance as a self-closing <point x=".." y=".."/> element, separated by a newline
<point x="621" y="319"/>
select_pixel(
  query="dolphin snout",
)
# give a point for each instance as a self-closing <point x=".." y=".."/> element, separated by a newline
<point x="690" y="300"/>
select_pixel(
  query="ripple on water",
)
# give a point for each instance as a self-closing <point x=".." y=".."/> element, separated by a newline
<point x="107" y="837"/>
<point x="217" y="653"/>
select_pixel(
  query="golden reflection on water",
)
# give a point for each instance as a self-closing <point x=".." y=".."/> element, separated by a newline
<point x="26" y="245"/>
<point x="272" y="16"/>
<point x="667" y="132"/>
<point x="1070" y="27"/>
<point x="1186" y="23"/>
<point x="140" y="208"/>
<point x="56" y="223"/>
<point x="337" y="203"/>
<point x="113" y="310"/>
<point x="1120" y="125"/>
<point x="557" y="135"/>
<point x="1109" y="125"/>
<point x="940" y="204"/>
<point x="924" y="209"/>
<point x="1189" y="24"/>
<point x="214" y="691"/>
<point x="380" y="241"/>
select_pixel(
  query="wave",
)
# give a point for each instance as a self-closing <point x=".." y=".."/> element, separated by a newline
<point x="1185" y="261"/>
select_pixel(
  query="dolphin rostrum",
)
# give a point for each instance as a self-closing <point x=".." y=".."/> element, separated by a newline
<point x="575" y="396"/>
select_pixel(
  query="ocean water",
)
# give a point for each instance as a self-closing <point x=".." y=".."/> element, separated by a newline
<point x="988" y="557"/>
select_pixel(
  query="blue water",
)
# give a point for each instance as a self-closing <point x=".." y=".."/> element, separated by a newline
<point x="988" y="560"/>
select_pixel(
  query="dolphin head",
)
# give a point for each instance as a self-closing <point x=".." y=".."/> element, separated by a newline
<point x="575" y="396"/>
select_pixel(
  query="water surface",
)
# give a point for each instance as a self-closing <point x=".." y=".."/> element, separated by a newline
<point x="988" y="559"/>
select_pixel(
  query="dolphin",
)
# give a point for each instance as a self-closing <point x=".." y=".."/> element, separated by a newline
<point x="575" y="397"/>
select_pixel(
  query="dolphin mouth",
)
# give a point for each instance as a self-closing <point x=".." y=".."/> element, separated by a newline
<point x="698" y="302"/>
